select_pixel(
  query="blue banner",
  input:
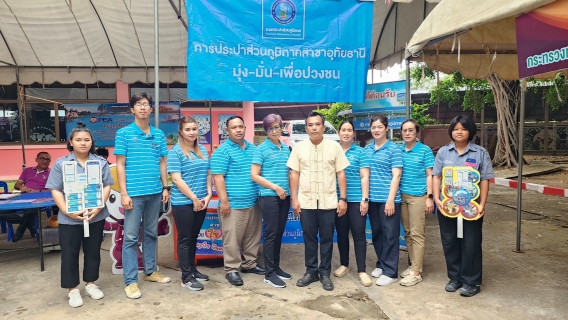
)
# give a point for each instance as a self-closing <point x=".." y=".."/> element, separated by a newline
<point x="104" y="120"/>
<point x="387" y="98"/>
<point x="278" y="50"/>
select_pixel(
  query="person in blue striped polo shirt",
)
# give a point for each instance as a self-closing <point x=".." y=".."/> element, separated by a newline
<point x="239" y="212"/>
<point x="141" y="167"/>
<point x="188" y="164"/>
<point x="355" y="218"/>
<point x="417" y="198"/>
<point x="385" y="159"/>
<point x="270" y="172"/>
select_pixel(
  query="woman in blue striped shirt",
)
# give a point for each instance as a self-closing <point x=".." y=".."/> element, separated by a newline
<point x="385" y="159"/>
<point x="188" y="164"/>
<point x="417" y="198"/>
<point x="270" y="172"/>
<point x="355" y="218"/>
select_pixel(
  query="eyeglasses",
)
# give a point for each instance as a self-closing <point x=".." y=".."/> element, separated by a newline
<point x="44" y="159"/>
<point x="140" y="105"/>
<point x="273" y="129"/>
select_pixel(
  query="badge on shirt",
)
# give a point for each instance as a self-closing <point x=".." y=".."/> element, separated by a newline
<point x="470" y="162"/>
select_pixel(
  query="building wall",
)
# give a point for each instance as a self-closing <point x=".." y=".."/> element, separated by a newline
<point x="11" y="156"/>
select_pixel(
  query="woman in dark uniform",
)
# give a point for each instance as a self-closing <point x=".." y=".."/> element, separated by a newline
<point x="463" y="255"/>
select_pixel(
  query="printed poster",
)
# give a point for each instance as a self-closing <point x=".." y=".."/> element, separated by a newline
<point x="104" y="120"/>
<point x="460" y="189"/>
<point x="204" y="125"/>
<point x="222" y="126"/>
<point x="82" y="190"/>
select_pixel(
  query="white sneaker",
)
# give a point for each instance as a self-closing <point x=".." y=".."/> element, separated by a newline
<point x="385" y="281"/>
<point x="94" y="292"/>
<point x="406" y="272"/>
<point x="377" y="272"/>
<point x="75" y="299"/>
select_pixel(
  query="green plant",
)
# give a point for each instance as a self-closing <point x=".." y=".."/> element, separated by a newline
<point x="418" y="114"/>
<point x="331" y="112"/>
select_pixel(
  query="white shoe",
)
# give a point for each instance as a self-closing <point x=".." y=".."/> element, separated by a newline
<point x="385" y="281"/>
<point x="406" y="272"/>
<point x="377" y="272"/>
<point x="94" y="292"/>
<point x="75" y="299"/>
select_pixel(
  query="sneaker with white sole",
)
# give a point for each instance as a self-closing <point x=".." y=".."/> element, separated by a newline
<point x="385" y="281"/>
<point x="94" y="291"/>
<point x="192" y="284"/>
<point x="132" y="291"/>
<point x="411" y="280"/>
<point x="377" y="272"/>
<point x="275" y="281"/>
<point x="157" y="277"/>
<point x="406" y="272"/>
<point x="365" y="280"/>
<point x="75" y="299"/>
<point x="341" y="271"/>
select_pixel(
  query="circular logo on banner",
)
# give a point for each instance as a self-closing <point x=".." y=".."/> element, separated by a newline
<point x="283" y="11"/>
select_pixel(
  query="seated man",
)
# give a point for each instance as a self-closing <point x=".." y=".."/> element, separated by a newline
<point x="32" y="180"/>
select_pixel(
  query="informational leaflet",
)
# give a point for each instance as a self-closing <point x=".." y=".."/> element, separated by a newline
<point x="83" y="191"/>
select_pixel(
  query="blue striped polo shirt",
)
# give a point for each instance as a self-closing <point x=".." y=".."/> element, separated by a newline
<point x="193" y="172"/>
<point x="357" y="160"/>
<point x="272" y="160"/>
<point x="382" y="161"/>
<point x="143" y="154"/>
<point x="234" y="162"/>
<point x="416" y="161"/>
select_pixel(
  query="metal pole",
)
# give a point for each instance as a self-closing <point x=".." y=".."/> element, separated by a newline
<point x="156" y="67"/>
<point x="21" y="115"/>
<point x="408" y="89"/>
<point x="520" y="167"/>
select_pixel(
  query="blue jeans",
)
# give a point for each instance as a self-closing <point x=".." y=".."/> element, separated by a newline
<point x="144" y="213"/>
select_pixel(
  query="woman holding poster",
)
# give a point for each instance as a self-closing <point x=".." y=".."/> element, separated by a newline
<point x="385" y="159"/>
<point x="188" y="164"/>
<point x="417" y="198"/>
<point x="83" y="227"/>
<point x="463" y="255"/>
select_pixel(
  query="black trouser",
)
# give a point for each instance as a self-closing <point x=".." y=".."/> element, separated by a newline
<point x="352" y="220"/>
<point x="25" y="221"/>
<point x="314" y="222"/>
<point x="70" y="239"/>
<point x="275" y="214"/>
<point x="386" y="233"/>
<point x="188" y="224"/>
<point x="463" y="256"/>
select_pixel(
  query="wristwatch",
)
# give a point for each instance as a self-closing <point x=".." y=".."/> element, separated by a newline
<point x="342" y="199"/>
<point x="169" y="188"/>
<point x="365" y="199"/>
<point x="430" y="196"/>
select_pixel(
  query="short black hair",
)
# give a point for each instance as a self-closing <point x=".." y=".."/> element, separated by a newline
<point x="416" y="125"/>
<point x="139" y="96"/>
<point x="103" y="152"/>
<point x="467" y="122"/>
<point x="232" y="118"/>
<point x="315" y="114"/>
<point x="42" y="152"/>
<point x="380" y="117"/>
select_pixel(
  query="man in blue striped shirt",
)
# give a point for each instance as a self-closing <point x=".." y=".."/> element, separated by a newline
<point x="239" y="213"/>
<point x="141" y="167"/>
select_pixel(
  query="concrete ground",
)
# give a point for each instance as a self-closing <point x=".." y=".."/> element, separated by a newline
<point x="528" y="285"/>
